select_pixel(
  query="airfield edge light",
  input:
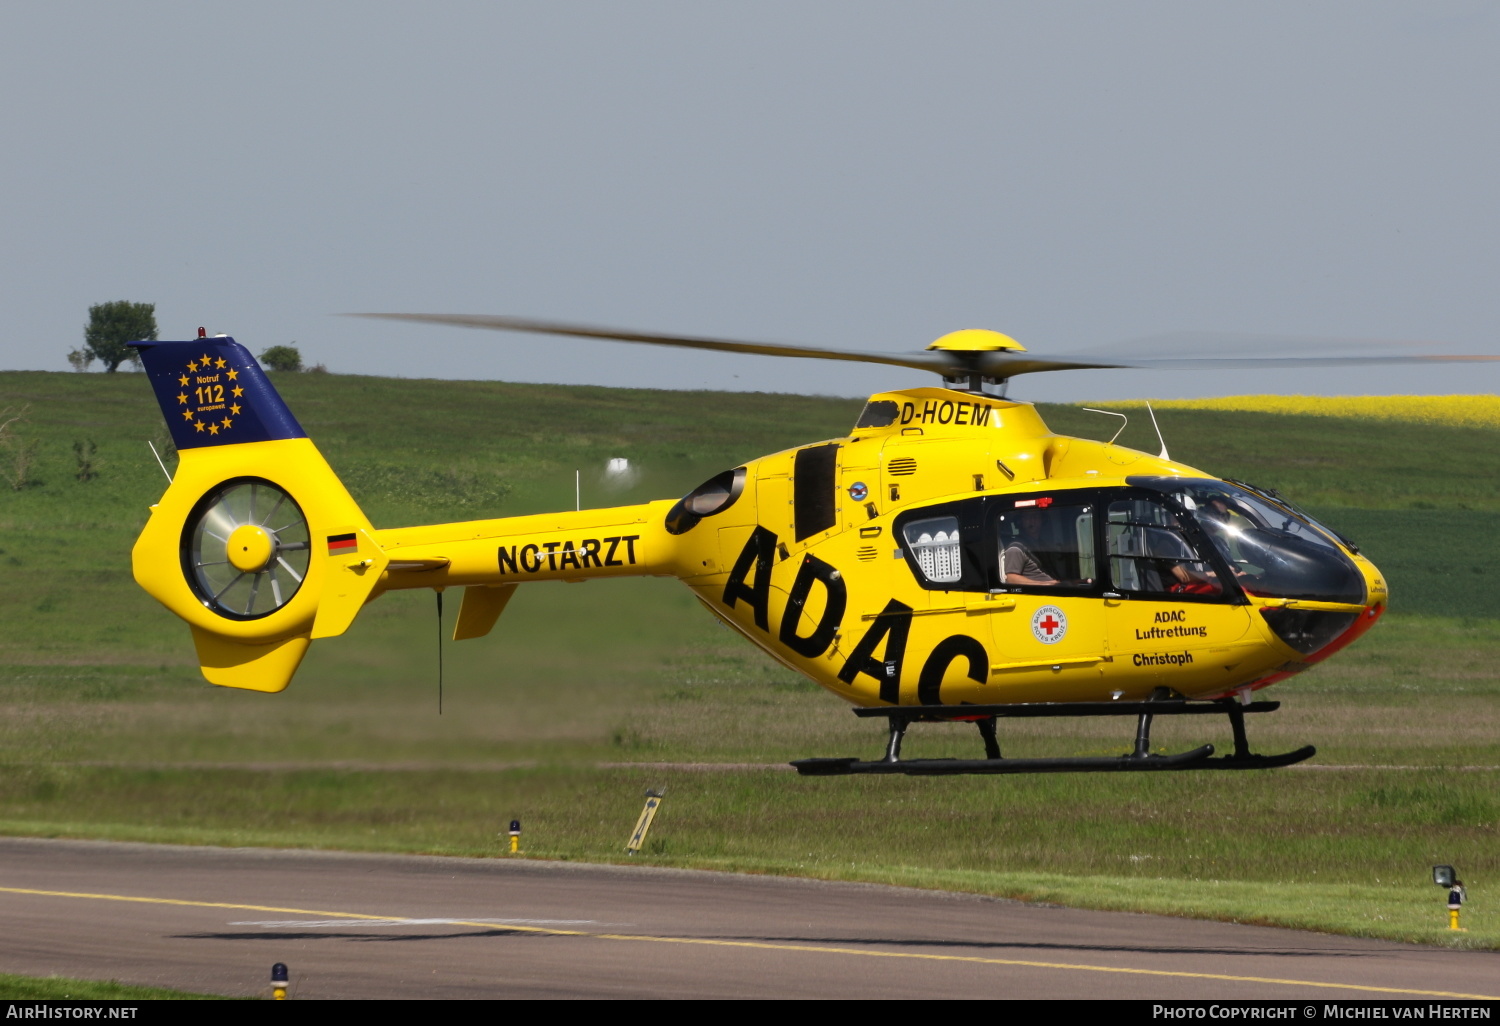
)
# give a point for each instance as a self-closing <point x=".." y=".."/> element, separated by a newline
<point x="1447" y="877"/>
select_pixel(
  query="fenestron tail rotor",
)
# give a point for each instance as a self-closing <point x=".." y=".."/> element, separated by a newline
<point x="246" y="549"/>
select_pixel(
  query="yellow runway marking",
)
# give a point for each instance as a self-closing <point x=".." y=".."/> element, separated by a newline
<point x="766" y="946"/>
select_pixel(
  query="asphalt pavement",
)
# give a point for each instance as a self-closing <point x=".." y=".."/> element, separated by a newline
<point x="390" y="926"/>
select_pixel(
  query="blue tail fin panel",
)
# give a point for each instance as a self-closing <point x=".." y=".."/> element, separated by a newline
<point x="212" y="392"/>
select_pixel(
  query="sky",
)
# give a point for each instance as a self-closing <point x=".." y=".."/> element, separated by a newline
<point x="862" y="175"/>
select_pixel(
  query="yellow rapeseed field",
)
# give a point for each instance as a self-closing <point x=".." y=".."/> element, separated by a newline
<point x="1482" y="411"/>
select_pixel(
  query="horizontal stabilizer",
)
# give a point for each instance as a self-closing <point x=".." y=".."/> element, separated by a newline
<point x="481" y="607"/>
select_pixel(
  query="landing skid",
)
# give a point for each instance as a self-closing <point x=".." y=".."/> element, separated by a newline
<point x="984" y="717"/>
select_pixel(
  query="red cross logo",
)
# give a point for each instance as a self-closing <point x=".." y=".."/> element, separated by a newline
<point x="1049" y="624"/>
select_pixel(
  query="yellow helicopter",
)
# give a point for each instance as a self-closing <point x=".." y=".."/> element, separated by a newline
<point x="950" y="559"/>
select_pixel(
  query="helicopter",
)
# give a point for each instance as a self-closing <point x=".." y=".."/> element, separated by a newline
<point x="951" y="559"/>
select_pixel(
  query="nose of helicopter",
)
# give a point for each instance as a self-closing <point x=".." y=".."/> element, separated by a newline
<point x="1377" y="596"/>
<point x="1362" y="622"/>
<point x="1320" y="629"/>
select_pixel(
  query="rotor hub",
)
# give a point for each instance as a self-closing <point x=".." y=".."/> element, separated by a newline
<point x="250" y="548"/>
<point x="977" y="340"/>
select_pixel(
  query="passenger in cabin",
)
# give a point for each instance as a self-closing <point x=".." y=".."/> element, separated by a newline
<point x="1019" y="563"/>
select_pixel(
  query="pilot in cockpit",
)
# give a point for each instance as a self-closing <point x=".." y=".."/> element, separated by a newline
<point x="1221" y="509"/>
<point x="1187" y="572"/>
<point x="1227" y="523"/>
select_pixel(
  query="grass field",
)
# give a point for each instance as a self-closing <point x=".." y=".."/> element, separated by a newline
<point x="560" y="715"/>
<point x="58" y="988"/>
<point x="1451" y="410"/>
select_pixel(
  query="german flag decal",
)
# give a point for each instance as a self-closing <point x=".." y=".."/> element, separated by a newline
<point x="340" y="543"/>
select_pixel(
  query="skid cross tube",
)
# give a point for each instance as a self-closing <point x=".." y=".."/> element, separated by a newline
<point x="899" y="718"/>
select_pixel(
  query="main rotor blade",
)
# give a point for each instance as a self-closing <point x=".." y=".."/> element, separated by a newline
<point x="937" y="362"/>
<point x="1224" y="350"/>
<point x="1247" y="345"/>
<point x="1258" y="363"/>
<point x="999" y="365"/>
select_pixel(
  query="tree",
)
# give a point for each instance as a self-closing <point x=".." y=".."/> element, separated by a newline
<point x="112" y="325"/>
<point x="17" y="454"/>
<point x="282" y="358"/>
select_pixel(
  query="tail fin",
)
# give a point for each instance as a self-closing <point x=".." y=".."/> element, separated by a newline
<point x="256" y="543"/>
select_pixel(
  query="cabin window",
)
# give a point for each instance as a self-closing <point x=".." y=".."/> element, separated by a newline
<point x="946" y="546"/>
<point x="814" y="487"/>
<point x="1150" y="553"/>
<point x="1048" y="541"/>
<point x="934" y="544"/>
<point x="1046" y="545"/>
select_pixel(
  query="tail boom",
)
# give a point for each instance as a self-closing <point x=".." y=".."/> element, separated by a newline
<point x="624" y="541"/>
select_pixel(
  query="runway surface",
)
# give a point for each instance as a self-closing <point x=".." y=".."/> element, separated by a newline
<point x="377" y="926"/>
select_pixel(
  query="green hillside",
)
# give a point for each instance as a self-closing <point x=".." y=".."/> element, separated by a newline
<point x="1416" y="497"/>
<point x="584" y="694"/>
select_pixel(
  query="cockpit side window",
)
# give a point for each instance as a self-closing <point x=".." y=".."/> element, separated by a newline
<point x="1151" y="553"/>
<point x="1270" y="550"/>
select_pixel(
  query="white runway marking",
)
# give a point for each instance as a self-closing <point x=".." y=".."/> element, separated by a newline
<point x="314" y="923"/>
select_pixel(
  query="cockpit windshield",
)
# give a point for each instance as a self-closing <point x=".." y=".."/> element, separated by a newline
<point x="1273" y="552"/>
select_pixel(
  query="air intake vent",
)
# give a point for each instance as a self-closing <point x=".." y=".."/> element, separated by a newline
<point x="901" y="467"/>
<point x="865" y="552"/>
